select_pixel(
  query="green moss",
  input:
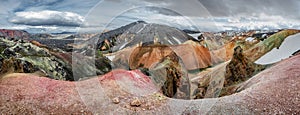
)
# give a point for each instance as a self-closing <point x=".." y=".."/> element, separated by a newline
<point x="99" y="54"/>
<point x="268" y="44"/>
<point x="52" y="68"/>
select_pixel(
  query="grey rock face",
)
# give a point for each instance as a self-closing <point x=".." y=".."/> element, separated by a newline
<point x="141" y="33"/>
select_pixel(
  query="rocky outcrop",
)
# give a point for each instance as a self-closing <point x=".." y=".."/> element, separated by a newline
<point x="240" y="68"/>
<point x="32" y="56"/>
<point x="13" y="65"/>
<point x="197" y="57"/>
<point x="225" y="78"/>
<point x="193" y="55"/>
<point x="171" y="76"/>
<point x="223" y="54"/>
<point x="263" y="47"/>
<point x="85" y="67"/>
<point x="38" y="57"/>
<point x="214" y="41"/>
<point x="147" y="56"/>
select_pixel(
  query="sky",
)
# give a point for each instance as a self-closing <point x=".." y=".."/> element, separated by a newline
<point x="55" y="16"/>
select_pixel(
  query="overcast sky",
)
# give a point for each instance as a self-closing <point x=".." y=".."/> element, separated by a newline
<point x="96" y="16"/>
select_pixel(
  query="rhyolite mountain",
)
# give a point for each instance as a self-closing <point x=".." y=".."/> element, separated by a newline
<point x="15" y="34"/>
<point x="140" y="33"/>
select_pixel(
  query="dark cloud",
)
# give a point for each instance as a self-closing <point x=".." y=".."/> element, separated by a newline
<point x="288" y="8"/>
<point x="229" y="13"/>
<point x="25" y="4"/>
<point x="223" y="8"/>
<point x="160" y="10"/>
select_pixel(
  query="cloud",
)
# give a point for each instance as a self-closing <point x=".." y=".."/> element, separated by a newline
<point x="47" y="17"/>
<point x="221" y="8"/>
<point x="162" y="16"/>
<point x="206" y="15"/>
<point x="258" y="22"/>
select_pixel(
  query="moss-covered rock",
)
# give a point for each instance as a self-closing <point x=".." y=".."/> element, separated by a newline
<point x="263" y="47"/>
<point x="13" y="65"/>
<point x="55" y="64"/>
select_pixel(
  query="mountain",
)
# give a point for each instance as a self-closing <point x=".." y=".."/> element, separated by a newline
<point x="17" y="34"/>
<point x="141" y="33"/>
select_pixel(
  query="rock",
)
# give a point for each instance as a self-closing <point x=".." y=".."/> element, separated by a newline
<point x="209" y="82"/>
<point x="39" y="58"/>
<point x="199" y="93"/>
<point x="116" y="100"/>
<point x="147" y="56"/>
<point x="1" y="60"/>
<point x="296" y="53"/>
<point x="193" y="55"/>
<point x="58" y="44"/>
<point x="224" y="79"/>
<point x="85" y="66"/>
<point x="13" y="65"/>
<point x="240" y="68"/>
<point x="223" y="54"/>
<point x="37" y="43"/>
<point x="214" y="41"/>
<point x="198" y="56"/>
<point x="135" y="102"/>
<point x="170" y="75"/>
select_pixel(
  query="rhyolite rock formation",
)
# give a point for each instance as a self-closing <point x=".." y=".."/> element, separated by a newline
<point x="171" y="76"/>
<point x="240" y="68"/>
<point x="225" y="78"/>
<point x="278" y="87"/>
<point x="197" y="57"/>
